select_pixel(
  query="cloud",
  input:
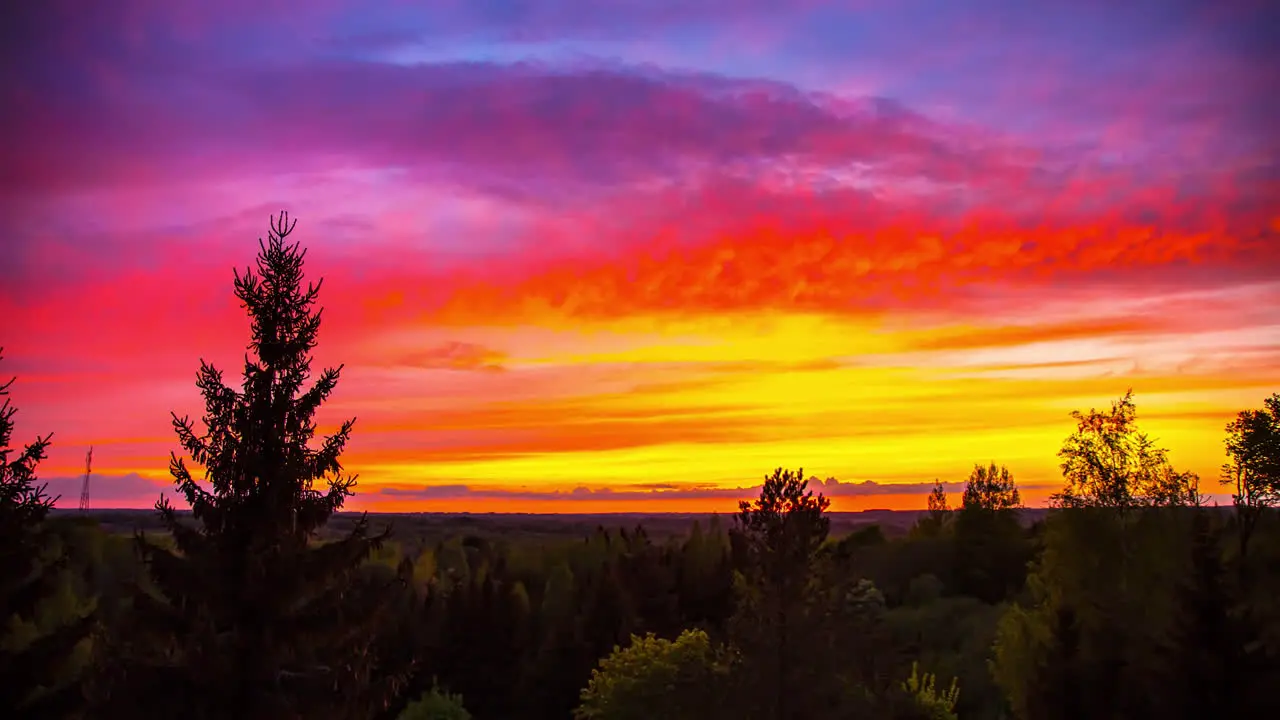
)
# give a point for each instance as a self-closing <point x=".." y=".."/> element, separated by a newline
<point x="739" y="248"/>
<point x="457" y="356"/>
<point x="831" y="488"/>
<point x="592" y="126"/>
<point x="1002" y="336"/>
<point x="110" y="491"/>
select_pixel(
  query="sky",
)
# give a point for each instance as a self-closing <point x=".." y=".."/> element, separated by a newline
<point x="632" y="255"/>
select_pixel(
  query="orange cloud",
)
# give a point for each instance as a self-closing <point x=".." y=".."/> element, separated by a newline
<point x="815" y="256"/>
<point x="456" y="356"/>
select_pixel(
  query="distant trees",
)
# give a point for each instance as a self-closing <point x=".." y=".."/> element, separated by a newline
<point x="34" y="667"/>
<point x="251" y="616"/>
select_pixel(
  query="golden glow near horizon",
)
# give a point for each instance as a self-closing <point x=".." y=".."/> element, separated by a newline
<point x="640" y="414"/>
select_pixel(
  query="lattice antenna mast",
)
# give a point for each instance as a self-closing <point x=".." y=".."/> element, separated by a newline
<point x="84" y="488"/>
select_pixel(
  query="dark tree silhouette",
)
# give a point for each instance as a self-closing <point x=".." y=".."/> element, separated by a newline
<point x="1107" y="462"/>
<point x="933" y="524"/>
<point x="782" y="532"/>
<point x="1208" y="675"/>
<point x="1253" y="445"/>
<point x="991" y="488"/>
<point x="27" y="576"/>
<point x="991" y="550"/>
<point x="253" y="617"/>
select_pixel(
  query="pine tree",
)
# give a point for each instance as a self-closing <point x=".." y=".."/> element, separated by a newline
<point x="254" y="618"/>
<point x="27" y="578"/>
<point x="775" y="625"/>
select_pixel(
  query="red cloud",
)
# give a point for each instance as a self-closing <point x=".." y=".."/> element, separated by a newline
<point x="738" y="248"/>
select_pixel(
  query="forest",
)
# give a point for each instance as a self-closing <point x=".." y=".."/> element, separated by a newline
<point x="1131" y="597"/>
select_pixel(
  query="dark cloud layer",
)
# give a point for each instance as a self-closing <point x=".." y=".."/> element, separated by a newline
<point x="478" y="123"/>
<point x="831" y="488"/>
<point x="106" y="491"/>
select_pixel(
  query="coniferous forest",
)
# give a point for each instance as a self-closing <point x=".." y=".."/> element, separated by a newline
<point x="1131" y="597"/>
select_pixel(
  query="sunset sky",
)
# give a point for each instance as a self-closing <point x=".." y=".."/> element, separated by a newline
<point x="631" y="255"/>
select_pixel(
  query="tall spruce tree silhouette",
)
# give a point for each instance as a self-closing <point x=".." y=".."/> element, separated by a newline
<point x="30" y="686"/>
<point x="254" y="618"/>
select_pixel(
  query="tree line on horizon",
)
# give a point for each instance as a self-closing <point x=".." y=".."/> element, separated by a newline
<point x="1131" y="599"/>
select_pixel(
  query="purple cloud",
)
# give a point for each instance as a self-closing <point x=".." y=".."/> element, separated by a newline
<point x="831" y="488"/>
<point x="110" y="491"/>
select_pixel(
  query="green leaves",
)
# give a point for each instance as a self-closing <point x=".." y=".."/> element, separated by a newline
<point x="436" y="704"/>
<point x="653" y="677"/>
<point x="939" y="704"/>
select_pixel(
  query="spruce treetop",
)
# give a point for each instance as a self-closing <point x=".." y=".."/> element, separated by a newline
<point x="256" y="449"/>
<point x="23" y="503"/>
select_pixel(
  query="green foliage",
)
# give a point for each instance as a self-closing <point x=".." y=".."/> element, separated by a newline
<point x="939" y="705"/>
<point x="924" y="589"/>
<point x="654" y="677"/>
<point x="1092" y="630"/>
<point x="1115" y="608"/>
<point x="435" y="704"/>
<point x="953" y="637"/>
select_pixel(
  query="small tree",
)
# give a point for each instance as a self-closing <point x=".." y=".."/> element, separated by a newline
<point x="938" y="505"/>
<point x="31" y="670"/>
<point x="939" y="511"/>
<point x="253" y="617"/>
<point x="1253" y="446"/>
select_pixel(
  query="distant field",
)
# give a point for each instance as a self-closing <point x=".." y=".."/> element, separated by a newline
<point x="432" y="526"/>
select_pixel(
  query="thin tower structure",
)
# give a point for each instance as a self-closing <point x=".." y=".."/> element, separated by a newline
<point x="84" y="488"/>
